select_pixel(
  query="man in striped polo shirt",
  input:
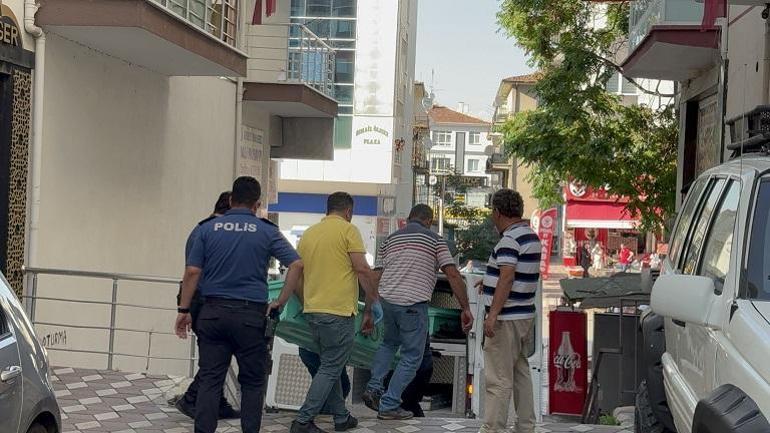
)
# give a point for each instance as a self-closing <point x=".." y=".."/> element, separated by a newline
<point x="407" y="262"/>
<point x="509" y="290"/>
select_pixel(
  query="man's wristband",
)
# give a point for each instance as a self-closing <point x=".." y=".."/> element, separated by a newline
<point x="183" y="310"/>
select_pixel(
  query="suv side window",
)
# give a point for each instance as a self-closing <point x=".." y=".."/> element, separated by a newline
<point x="5" y="330"/>
<point x="715" y="262"/>
<point x="694" y="242"/>
<point x="758" y="260"/>
<point x="685" y="218"/>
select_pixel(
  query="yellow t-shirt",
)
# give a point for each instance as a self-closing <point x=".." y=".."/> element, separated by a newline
<point x="331" y="285"/>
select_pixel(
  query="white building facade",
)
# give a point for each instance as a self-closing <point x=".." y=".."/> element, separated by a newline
<point x="375" y="44"/>
<point x="460" y="145"/>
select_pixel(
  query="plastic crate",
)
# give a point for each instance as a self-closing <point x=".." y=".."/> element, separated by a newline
<point x="443" y="319"/>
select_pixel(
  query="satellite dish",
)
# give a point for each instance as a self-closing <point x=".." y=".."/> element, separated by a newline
<point x="427" y="101"/>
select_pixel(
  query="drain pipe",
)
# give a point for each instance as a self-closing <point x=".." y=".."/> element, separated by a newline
<point x="35" y="157"/>
<point x="766" y="66"/>
<point x="238" y="125"/>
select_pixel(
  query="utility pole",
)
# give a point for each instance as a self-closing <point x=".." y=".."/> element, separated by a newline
<point x="441" y="206"/>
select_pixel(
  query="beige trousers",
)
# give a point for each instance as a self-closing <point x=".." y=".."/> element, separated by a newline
<point x="506" y="375"/>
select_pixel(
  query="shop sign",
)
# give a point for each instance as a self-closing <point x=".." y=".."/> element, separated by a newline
<point x="546" y="225"/>
<point x="10" y="33"/>
<point x="567" y="362"/>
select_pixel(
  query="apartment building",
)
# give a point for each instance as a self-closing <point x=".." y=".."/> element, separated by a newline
<point x="374" y="46"/>
<point x="459" y="145"/>
<point x="123" y="121"/>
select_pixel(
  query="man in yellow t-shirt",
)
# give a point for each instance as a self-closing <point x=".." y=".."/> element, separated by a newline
<point x="335" y="261"/>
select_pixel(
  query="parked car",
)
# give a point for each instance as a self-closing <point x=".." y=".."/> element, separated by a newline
<point x="707" y="335"/>
<point x="27" y="401"/>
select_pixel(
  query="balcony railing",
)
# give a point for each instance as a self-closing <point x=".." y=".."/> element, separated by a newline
<point x="311" y="60"/>
<point x="219" y="18"/>
<point x="647" y="13"/>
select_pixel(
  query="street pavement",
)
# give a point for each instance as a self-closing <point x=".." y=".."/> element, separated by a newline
<point x="109" y="401"/>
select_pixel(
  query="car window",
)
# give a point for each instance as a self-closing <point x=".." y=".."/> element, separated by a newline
<point x="697" y="235"/>
<point x="715" y="262"/>
<point x="758" y="260"/>
<point x="685" y="218"/>
<point x="5" y="330"/>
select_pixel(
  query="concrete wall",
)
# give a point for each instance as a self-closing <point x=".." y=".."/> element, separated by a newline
<point x="367" y="225"/>
<point x="131" y="161"/>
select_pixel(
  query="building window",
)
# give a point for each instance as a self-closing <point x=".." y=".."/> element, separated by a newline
<point x="343" y="132"/>
<point x="442" y="138"/>
<point x="440" y="163"/>
<point x="619" y="85"/>
<point x="474" y="138"/>
<point x="473" y="165"/>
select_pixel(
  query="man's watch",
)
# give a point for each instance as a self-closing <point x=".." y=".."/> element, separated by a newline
<point x="183" y="310"/>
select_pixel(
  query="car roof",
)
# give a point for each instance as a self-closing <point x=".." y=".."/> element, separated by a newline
<point x="745" y="165"/>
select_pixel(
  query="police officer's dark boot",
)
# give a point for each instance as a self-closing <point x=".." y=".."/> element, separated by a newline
<point x="227" y="411"/>
<point x="310" y="427"/>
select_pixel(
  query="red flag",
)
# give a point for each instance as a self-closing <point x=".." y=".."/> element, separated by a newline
<point x="270" y="9"/>
<point x="257" y="17"/>
<point x="713" y="9"/>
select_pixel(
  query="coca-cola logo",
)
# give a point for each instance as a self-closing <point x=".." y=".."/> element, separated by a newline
<point x="571" y="361"/>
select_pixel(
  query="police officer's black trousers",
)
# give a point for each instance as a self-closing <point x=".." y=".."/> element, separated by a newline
<point x="227" y="328"/>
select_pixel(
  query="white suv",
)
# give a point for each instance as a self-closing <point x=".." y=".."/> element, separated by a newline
<point x="708" y="337"/>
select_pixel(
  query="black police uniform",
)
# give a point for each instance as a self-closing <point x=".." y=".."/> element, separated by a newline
<point x="234" y="252"/>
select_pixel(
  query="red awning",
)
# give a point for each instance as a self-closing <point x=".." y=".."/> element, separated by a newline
<point x="606" y="215"/>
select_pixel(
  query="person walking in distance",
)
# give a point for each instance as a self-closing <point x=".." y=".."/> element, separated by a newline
<point x="407" y="262"/>
<point x="625" y="257"/>
<point x="509" y="291"/>
<point x="230" y="259"/>
<point x="585" y="259"/>
<point x="334" y="260"/>
<point x="186" y="403"/>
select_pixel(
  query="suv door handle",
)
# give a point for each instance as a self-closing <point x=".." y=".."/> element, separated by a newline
<point x="10" y="373"/>
<point x="679" y="323"/>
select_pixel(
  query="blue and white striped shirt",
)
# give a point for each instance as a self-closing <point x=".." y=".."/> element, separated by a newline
<point x="519" y="247"/>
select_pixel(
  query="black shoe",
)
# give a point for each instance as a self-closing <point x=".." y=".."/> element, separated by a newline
<point x="298" y="427"/>
<point x="226" y="411"/>
<point x="397" y="414"/>
<point x="349" y="424"/>
<point x="372" y="399"/>
<point x="185" y="408"/>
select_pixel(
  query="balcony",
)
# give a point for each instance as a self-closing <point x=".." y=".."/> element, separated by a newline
<point x="291" y="76"/>
<point x="171" y="37"/>
<point x="666" y="40"/>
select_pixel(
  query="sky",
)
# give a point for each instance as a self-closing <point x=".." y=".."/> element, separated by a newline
<point x="460" y="42"/>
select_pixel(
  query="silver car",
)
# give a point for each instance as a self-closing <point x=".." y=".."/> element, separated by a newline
<point x="27" y="400"/>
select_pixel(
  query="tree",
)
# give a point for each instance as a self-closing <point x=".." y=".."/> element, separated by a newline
<point x="580" y="132"/>
<point x="477" y="240"/>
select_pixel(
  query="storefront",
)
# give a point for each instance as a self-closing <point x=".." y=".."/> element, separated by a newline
<point x="599" y="218"/>
<point x="16" y="64"/>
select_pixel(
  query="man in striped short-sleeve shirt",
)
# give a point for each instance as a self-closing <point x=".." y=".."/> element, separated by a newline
<point x="408" y="261"/>
<point x="509" y="292"/>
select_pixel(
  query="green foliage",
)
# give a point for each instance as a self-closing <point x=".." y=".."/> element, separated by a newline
<point x="580" y="131"/>
<point x="477" y="240"/>
<point x="608" y="420"/>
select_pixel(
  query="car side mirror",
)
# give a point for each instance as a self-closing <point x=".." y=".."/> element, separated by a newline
<point x="685" y="298"/>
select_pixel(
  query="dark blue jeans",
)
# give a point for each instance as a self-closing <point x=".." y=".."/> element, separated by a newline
<point x="334" y="337"/>
<point x="406" y="328"/>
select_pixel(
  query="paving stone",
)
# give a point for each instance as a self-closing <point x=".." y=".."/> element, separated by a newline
<point x="135" y="376"/>
<point x="118" y="385"/>
<point x="140" y="424"/>
<point x="92" y="377"/>
<point x="88" y="425"/>
<point x="137" y="399"/>
<point x="408" y="429"/>
<point x="77" y="385"/>
<point x="62" y="393"/>
<point x="63" y="371"/>
<point x="106" y="416"/>
<point x="156" y="416"/>
<point x="90" y="400"/>
<point x="123" y="407"/>
<point x="106" y="392"/>
<point x="75" y="408"/>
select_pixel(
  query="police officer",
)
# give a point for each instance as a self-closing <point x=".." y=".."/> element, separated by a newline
<point x="230" y="257"/>
<point x="186" y="403"/>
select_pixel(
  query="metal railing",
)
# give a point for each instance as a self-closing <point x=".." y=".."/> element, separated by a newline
<point x="32" y="299"/>
<point x="646" y="13"/>
<point x="294" y="54"/>
<point x="218" y="18"/>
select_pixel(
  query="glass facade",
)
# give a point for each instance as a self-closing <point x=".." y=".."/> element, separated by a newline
<point x="335" y="22"/>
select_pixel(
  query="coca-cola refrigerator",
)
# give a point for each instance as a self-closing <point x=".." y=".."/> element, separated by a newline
<point x="567" y="362"/>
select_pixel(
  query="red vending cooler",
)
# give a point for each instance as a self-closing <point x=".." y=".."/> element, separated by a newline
<point x="567" y="362"/>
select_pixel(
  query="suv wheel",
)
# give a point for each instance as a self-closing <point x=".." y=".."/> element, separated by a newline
<point x="37" y="428"/>
<point x="645" y="420"/>
<point x="728" y="409"/>
<point x="654" y="337"/>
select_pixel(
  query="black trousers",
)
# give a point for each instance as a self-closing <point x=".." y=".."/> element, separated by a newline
<point x="227" y="328"/>
<point x="191" y="395"/>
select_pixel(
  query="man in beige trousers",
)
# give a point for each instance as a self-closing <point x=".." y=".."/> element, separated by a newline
<point x="509" y="291"/>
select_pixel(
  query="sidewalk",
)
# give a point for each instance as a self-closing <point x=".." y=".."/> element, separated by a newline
<point x="108" y="401"/>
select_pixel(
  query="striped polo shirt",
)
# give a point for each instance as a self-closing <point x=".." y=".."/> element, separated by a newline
<point x="409" y="259"/>
<point x="520" y="247"/>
